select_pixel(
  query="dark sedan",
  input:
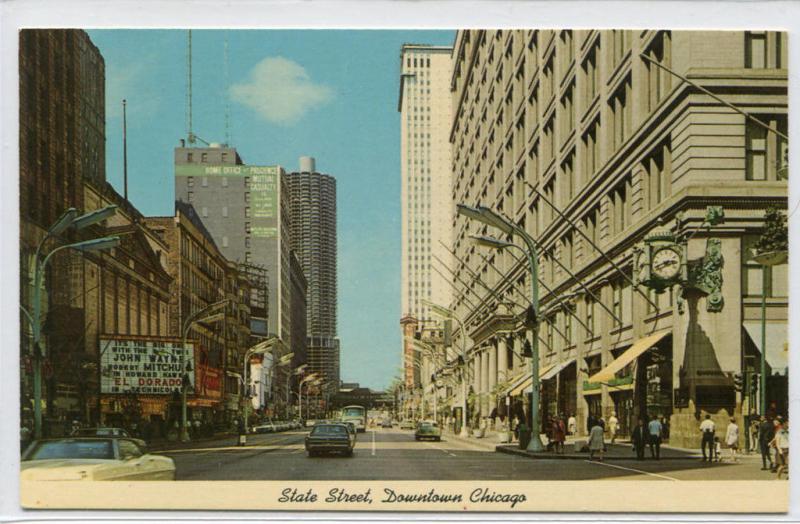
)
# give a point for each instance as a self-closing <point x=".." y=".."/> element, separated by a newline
<point x="329" y="437"/>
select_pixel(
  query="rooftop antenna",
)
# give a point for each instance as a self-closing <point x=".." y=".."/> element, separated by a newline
<point x="227" y="99"/>
<point x="125" y="147"/>
<point x="189" y="133"/>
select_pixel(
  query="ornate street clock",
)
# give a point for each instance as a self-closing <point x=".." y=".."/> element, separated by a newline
<point x="660" y="261"/>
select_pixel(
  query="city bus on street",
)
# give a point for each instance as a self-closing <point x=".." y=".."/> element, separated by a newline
<point x="357" y="415"/>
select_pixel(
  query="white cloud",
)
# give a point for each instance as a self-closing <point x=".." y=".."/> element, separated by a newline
<point x="280" y="91"/>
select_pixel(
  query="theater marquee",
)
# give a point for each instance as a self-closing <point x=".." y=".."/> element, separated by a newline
<point x="148" y="366"/>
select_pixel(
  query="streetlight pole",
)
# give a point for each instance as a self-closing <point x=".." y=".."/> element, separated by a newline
<point x="489" y="217"/>
<point x="67" y="220"/>
<point x="300" y="392"/>
<point x="207" y="313"/>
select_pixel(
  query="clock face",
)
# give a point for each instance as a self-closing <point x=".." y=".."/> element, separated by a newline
<point x="666" y="263"/>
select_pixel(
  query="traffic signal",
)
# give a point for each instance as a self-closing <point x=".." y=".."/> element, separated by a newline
<point x="738" y="382"/>
<point x="754" y="384"/>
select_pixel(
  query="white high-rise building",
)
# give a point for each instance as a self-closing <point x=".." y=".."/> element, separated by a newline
<point x="425" y="108"/>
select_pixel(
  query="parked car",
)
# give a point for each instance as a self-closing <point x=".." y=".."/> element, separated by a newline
<point x="93" y="458"/>
<point x="106" y="432"/>
<point x="407" y="424"/>
<point x="386" y="423"/>
<point x="264" y="428"/>
<point x="330" y="437"/>
<point x="428" y="429"/>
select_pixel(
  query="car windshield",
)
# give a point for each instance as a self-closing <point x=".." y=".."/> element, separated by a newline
<point x="329" y="430"/>
<point x="73" y="449"/>
<point x="427" y="425"/>
<point x="353" y="412"/>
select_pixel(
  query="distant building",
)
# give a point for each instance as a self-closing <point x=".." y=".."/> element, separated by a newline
<point x="313" y="236"/>
<point x="426" y="223"/>
<point x="246" y="210"/>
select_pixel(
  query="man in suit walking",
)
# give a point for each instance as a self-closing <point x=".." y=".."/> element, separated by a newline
<point x="639" y="439"/>
<point x="766" y="432"/>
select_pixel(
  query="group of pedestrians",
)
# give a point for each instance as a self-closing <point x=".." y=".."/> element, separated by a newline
<point x="773" y="443"/>
<point x="651" y="435"/>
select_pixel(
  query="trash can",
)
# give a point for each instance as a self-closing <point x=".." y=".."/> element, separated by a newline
<point x="524" y="436"/>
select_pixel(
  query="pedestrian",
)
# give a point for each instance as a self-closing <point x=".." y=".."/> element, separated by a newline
<point x="664" y="429"/>
<point x="766" y="433"/>
<point x="639" y="439"/>
<point x="717" y="450"/>
<point x="754" y="435"/>
<point x="596" y="442"/>
<point x="613" y="424"/>
<point x="707" y="429"/>
<point x="781" y="444"/>
<point x="654" y="430"/>
<point x="732" y="439"/>
<point x="558" y="433"/>
<point x="572" y="425"/>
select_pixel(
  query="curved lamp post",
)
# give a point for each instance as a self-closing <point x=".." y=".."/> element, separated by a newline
<point x="487" y="216"/>
<point x="68" y="220"/>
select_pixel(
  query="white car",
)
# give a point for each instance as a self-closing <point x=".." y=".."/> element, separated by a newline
<point x="93" y="459"/>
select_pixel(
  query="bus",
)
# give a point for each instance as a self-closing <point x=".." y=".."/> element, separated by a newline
<point x="357" y="415"/>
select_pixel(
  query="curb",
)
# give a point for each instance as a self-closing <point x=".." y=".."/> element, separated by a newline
<point x="582" y="456"/>
<point x="476" y="442"/>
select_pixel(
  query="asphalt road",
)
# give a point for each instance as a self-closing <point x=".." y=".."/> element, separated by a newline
<point x="393" y="454"/>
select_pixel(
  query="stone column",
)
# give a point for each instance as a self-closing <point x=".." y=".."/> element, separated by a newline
<point x="518" y="360"/>
<point x="484" y="380"/>
<point x="491" y="398"/>
<point x="503" y="372"/>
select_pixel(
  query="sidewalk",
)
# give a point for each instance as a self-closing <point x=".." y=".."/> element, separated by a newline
<point x="489" y="442"/>
<point x="165" y="445"/>
<point x="622" y="450"/>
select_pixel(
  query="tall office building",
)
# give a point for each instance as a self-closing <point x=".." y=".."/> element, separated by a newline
<point x="313" y="236"/>
<point x="582" y="139"/>
<point x="425" y="108"/>
<point x="246" y="209"/>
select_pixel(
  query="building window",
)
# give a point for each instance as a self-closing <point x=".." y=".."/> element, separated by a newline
<point x="657" y="169"/>
<point x="766" y="152"/>
<point x="190" y="196"/>
<point x="247" y="227"/>
<point x="203" y="157"/>
<point x="616" y="303"/>
<point x="189" y="156"/>
<point x="568" y="179"/>
<point x="190" y="181"/>
<point x="247" y="198"/>
<point x="619" y="45"/>
<point x="590" y="316"/>
<point x="621" y="114"/>
<point x="755" y="49"/>
<point x="224" y="157"/>
<point x="658" y="80"/>
<point x="247" y="182"/>
<point x="591" y="73"/>
<point x="590" y="151"/>
<point x="620" y="206"/>
<point x="568" y="111"/>
<point x="247" y="242"/>
<point x="247" y="212"/>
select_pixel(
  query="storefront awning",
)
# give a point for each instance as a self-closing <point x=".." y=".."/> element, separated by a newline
<point x="558" y="368"/>
<point x="777" y="346"/>
<point x="638" y="348"/>
<point x="523" y="384"/>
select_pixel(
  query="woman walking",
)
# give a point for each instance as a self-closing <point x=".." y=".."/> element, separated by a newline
<point x="732" y="439"/>
<point x="596" y="443"/>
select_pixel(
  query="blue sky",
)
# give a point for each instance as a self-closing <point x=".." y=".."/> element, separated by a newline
<point x="328" y="94"/>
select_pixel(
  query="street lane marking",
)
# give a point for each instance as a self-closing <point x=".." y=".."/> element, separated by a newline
<point x="373" y="443"/>
<point x="631" y="469"/>
<point x="275" y="445"/>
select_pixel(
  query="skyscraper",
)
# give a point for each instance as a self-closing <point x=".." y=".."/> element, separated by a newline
<point x="426" y="180"/>
<point x="313" y="237"/>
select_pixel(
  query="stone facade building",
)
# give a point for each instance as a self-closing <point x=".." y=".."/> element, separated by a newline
<point x="202" y="276"/>
<point x="591" y="148"/>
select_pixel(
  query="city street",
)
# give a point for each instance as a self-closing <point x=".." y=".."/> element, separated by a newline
<point x="393" y="454"/>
